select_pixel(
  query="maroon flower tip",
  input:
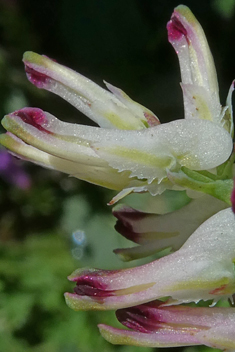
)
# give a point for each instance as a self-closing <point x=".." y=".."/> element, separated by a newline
<point x="132" y="319"/>
<point x="90" y="286"/>
<point x="127" y="213"/>
<point x="175" y="29"/>
<point x="126" y="231"/>
<point x="233" y="198"/>
<point x="32" y="116"/>
<point x="37" y="78"/>
<point x="144" y="318"/>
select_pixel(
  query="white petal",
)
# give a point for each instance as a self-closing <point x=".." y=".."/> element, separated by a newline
<point x="97" y="103"/>
<point x="196" y="144"/>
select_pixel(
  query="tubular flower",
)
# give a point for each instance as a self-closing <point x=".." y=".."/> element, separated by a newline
<point x="199" y="80"/>
<point x="132" y="151"/>
<point x="155" y="232"/>
<point x="203" y="268"/>
<point x="156" y="325"/>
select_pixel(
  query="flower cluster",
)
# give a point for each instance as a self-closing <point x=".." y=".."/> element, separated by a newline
<point x="133" y="152"/>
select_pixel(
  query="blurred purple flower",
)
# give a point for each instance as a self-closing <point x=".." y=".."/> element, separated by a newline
<point x="12" y="171"/>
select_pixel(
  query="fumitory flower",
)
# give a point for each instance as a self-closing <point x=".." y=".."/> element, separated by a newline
<point x="154" y="232"/>
<point x="156" y="325"/>
<point x="132" y="151"/>
<point x="203" y="268"/>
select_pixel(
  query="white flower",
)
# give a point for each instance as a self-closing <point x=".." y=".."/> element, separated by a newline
<point x="132" y="151"/>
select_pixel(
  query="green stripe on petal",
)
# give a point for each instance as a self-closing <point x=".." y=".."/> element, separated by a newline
<point x="150" y="153"/>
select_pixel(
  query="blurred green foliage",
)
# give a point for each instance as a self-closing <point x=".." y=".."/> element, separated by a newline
<point x="225" y="8"/>
<point x="33" y="315"/>
<point x="125" y="43"/>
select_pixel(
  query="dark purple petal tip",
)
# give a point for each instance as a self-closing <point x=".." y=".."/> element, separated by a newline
<point x="144" y="318"/>
<point x="126" y="231"/>
<point x="127" y="213"/>
<point x="90" y="285"/>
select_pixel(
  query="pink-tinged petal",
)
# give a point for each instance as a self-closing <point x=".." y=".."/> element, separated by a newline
<point x="93" y="290"/>
<point x="107" y="109"/>
<point x="43" y="131"/>
<point x="169" y="338"/>
<point x="203" y="268"/>
<point x="154" y="316"/>
<point x="159" y="326"/>
<point x="189" y="41"/>
<point x="199" y="79"/>
<point x="67" y="147"/>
